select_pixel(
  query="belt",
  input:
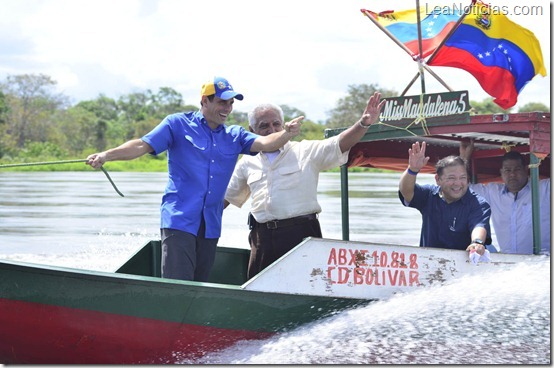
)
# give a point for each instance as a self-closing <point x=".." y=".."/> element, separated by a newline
<point x="275" y="224"/>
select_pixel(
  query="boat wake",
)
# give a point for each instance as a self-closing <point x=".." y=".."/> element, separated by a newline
<point x="103" y="252"/>
<point x="499" y="317"/>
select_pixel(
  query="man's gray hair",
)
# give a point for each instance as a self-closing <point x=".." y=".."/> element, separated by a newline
<point x="253" y="115"/>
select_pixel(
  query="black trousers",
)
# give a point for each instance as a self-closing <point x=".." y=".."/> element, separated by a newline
<point x="267" y="245"/>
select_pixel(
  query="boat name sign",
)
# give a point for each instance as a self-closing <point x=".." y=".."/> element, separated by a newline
<point x="350" y="269"/>
<point x="378" y="268"/>
<point x="406" y="109"/>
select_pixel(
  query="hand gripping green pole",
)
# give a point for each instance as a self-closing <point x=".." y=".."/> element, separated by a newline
<point x="63" y="162"/>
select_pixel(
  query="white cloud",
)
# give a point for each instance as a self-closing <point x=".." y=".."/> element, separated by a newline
<point x="303" y="53"/>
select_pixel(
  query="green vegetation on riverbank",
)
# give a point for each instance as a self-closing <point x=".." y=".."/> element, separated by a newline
<point x="145" y="163"/>
<point x="37" y="124"/>
<point x="142" y="164"/>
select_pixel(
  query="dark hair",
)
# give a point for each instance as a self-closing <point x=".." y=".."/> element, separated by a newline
<point x="448" y="162"/>
<point x="514" y="155"/>
<point x="210" y="97"/>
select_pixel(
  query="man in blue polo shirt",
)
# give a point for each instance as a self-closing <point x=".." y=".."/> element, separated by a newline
<point x="201" y="156"/>
<point x="453" y="216"/>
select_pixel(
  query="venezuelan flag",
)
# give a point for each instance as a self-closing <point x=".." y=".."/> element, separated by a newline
<point x="435" y="26"/>
<point x="500" y="54"/>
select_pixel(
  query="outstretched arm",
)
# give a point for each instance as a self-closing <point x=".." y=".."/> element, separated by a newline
<point x="352" y="135"/>
<point x="127" y="151"/>
<point x="416" y="161"/>
<point x="479" y="233"/>
<point x="274" y="141"/>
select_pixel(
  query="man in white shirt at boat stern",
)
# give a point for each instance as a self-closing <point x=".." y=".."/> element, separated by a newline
<point x="511" y="206"/>
<point x="283" y="183"/>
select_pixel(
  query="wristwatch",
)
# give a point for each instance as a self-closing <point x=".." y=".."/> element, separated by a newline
<point x="363" y="126"/>
<point x="477" y="241"/>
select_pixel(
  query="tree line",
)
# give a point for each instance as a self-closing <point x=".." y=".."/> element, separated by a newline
<point x="38" y="122"/>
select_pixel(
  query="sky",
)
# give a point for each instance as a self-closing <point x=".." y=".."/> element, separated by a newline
<point x="300" y="53"/>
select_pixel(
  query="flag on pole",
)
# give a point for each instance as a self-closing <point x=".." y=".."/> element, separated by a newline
<point x="500" y="54"/>
<point x="436" y="23"/>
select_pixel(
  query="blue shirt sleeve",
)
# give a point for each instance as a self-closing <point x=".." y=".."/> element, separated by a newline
<point x="161" y="137"/>
<point x="479" y="214"/>
<point x="421" y="197"/>
<point x="245" y="138"/>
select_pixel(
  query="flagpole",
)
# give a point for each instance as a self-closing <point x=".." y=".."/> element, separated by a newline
<point x="420" y="45"/>
<point x="403" y="47"/>
<point x="435" y="75"/>
<point x="426" y="67"/>
<point x="387" y="32"/>
<point x="410" y="84"/>
<point x="458" y="22"/>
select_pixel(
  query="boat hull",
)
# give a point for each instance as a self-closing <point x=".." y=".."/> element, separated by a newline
<point x="45" y="334"/>
<point x="53" y="315"/>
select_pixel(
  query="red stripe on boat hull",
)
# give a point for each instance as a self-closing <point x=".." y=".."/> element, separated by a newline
<point x="34" y="333"/>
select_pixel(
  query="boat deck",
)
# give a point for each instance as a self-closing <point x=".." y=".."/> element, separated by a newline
<point x="230" y="266"/>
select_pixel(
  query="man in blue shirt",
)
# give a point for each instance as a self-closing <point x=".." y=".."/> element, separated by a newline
<point x="453" y="216"/>
<point x="201" y="156"/>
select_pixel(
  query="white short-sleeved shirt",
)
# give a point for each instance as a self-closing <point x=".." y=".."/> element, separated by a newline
<point x="512" y="217"/>
<point x="287" y="186"/>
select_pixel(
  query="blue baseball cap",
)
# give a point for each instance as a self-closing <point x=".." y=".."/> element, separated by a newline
<point x="221" y="88"/>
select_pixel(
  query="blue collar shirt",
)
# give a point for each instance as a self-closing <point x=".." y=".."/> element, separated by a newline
<point x="200" y="164"/>
<point x="448" y="225"/>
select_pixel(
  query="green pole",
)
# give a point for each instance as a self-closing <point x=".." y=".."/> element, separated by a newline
<point x="63" y="162"/>
<point x="42" y="163"/>
<point x="534" y="161"/>
<point x="344" y="202"/>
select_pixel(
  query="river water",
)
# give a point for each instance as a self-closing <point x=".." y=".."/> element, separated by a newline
<point x="77" y="220"/>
